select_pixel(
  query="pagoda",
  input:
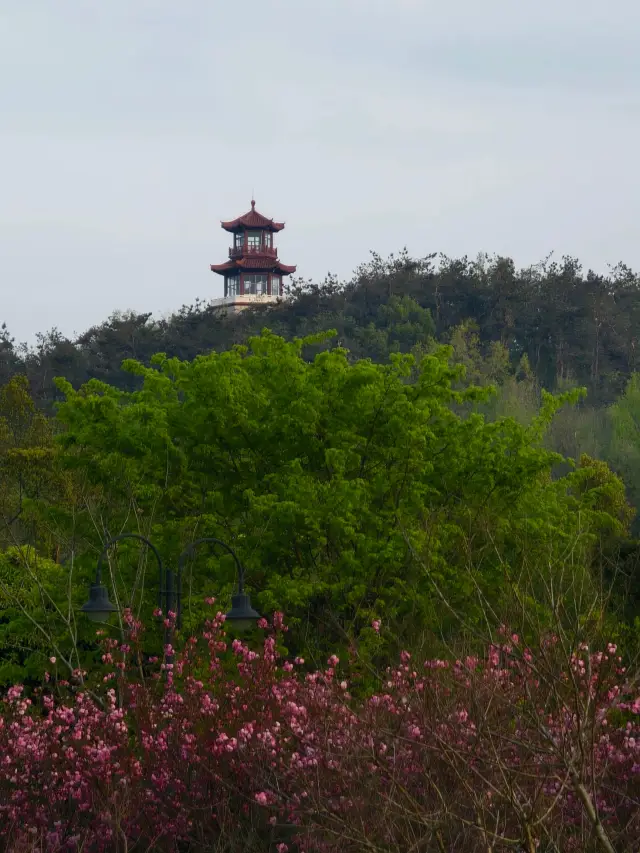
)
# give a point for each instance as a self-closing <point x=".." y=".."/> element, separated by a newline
<point x="253" y="274"/>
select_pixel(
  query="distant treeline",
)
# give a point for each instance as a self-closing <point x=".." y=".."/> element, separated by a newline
<point x="574" y="327"/>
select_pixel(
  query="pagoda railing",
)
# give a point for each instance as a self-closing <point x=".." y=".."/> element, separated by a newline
<point x="243" y="251"/>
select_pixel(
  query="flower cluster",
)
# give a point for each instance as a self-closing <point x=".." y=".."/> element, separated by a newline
<point x="232" y="748"/>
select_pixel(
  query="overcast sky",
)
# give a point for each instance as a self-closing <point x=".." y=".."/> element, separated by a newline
<point x="130" y="128"/>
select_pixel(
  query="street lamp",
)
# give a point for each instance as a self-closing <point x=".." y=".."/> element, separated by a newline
<point x="98" y="608"/>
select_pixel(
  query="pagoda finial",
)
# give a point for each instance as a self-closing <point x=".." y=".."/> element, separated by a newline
<point x="253" y="202"/>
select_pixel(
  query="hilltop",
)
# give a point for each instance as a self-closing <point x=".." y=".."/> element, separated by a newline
<point x="574" y="327"/>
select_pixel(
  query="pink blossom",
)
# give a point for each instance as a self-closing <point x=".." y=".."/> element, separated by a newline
<point x="239" y="726"/>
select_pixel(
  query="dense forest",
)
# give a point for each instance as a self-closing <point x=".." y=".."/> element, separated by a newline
<point x="573" y="327"/>
<point x="550" y="326"/>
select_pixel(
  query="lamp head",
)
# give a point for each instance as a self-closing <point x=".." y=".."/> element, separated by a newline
<point x="242" y="615"/>
<point x="98" y="608"/>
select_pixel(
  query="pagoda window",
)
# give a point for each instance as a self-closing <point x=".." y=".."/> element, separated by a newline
<point x="232" y="285"/>
<point x="254" y="240"/>
<point x="239" y="241"/>
<point x="275" y="285"/>
<point x="256" y="284"/>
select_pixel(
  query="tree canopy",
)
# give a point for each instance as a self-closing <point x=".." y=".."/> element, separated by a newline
<point x="346" y="486"/>
<point x="349" y="454"/>
<point x="573" y="326"/>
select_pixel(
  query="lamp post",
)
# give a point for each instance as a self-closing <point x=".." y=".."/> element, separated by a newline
<point x="98" y="608"/>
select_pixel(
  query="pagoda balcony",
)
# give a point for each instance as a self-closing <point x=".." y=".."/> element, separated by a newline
<point x="246" y="251"/>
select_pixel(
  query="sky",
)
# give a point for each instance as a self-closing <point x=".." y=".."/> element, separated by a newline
<point x="130" y="128"/>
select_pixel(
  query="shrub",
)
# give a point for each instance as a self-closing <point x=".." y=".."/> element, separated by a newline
<point x="232" y="749"/>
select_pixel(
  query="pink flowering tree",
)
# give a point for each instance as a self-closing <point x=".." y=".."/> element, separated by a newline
<point x="233" y="748"/>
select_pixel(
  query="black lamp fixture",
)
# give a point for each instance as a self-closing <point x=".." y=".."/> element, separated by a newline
<point x="242" y="616"/>
<point x="99" y="608"/>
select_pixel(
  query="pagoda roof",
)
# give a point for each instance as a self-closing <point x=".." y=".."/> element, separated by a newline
<point x="252" y="219"/>
<point x="264" y="263"/>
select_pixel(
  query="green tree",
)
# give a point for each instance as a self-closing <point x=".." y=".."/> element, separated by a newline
<point x="330" y="477"/>
<point x="27" y="452"/>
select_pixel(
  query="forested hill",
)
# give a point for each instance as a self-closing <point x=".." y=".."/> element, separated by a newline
<point x="573" y="326"/>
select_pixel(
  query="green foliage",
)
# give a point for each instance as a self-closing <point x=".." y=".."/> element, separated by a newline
<point x="624" y="448"/>
<point x="32" y="590"/>
<point x="351" y="459"/>
<point x="573" y="326"/>
<point x="27" y="451"/>
<point x="348" y="488"/>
